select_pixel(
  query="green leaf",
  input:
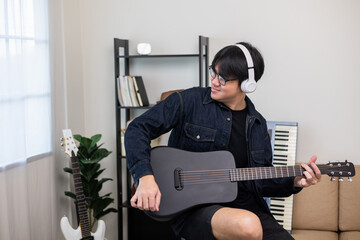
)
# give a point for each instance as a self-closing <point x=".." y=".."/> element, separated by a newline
<point x="101" y="153"/>
<point x="103" y="213"/>
<point x="90" y="161"/>
<point x="68" y="170"/>
<point x="101" y="205"/>
<point x="97" y="174"/>
<point x="106" y="195"/>
<point x="77" y="137"/>
<point x="105" y="180"/>
<point x="95" y="139"/>
<point x="92" y="172"/>
<point x="86" y="142"/>
<point x="70" y="194"/>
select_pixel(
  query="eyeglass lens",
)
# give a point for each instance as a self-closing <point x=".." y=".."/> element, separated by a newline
<point x="213" y="75"/>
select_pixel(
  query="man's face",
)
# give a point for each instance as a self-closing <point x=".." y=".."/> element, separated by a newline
<point x="228" y="94"/>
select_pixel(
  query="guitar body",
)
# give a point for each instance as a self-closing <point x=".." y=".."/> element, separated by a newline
<point x="75" y="234"/>
<point x="165" y="161"/>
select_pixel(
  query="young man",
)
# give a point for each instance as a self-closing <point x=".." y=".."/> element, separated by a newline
<point x="218" y="118"/>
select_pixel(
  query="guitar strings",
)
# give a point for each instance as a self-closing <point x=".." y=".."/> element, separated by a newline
<point x="240" y="174"/>
<point x="243" y="171"/>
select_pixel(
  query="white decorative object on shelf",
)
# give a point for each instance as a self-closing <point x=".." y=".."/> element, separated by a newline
<point x="144" y="48"/>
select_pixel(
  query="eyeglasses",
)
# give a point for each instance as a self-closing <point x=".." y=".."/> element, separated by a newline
<point x="221" y="79"/>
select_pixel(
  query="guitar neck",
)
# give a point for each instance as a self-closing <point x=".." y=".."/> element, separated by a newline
<point x="80" y="199"/>
<point x="244" y="174"/>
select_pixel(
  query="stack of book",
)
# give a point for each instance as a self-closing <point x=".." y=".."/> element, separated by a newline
<point x="131" y="91"/>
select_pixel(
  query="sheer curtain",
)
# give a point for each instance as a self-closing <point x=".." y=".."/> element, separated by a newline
<point x="25" y="120"/>
<point x="25" y="99"/>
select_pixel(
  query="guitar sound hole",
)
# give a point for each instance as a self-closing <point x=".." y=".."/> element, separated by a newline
<point x="178" y="183"/>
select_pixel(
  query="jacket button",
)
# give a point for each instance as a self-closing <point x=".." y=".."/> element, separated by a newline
<point x="228" y="119"/>
<point x="198" y="137"/>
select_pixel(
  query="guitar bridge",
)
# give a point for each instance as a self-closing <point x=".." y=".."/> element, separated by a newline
<point x="177" y="179"/>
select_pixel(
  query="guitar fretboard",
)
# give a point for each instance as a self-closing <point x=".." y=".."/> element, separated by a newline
<point x="80" y="198"/>
<point x="244" y="174"/>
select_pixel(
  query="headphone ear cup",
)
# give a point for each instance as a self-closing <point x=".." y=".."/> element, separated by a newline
<point x="248" y="86"/>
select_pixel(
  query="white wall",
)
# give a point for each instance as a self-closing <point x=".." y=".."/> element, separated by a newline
<point x="311" y="51"/>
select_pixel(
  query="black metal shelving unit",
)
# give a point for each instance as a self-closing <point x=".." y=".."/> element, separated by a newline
<point x="139" y="225"/>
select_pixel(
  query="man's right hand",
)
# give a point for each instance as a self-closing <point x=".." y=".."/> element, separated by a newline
<point x="147" y="195"/>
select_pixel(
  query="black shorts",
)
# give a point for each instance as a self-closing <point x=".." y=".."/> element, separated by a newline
<point x="197" y="225"/>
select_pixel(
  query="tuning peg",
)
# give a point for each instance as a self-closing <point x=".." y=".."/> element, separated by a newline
<point x="332" y="179"/>
<point x="349" y="179"/>
<point x="61" y="139"/>
<point x="341" y="179"/>
<point x="62" y="144"/>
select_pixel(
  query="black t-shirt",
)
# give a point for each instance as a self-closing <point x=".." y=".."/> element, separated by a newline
<point x="237" y="142"/>
<point x="238" y="147"/>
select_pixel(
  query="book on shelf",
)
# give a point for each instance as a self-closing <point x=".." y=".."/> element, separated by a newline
<point x="131" y="91"/>
<point x="141" y="92"/>
<point x="124" y="91"/>
<point x="138" y="96"/>
<point x="119" y="93"/>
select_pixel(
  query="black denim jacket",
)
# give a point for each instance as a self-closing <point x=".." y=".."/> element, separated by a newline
<point x="200" y="124"/>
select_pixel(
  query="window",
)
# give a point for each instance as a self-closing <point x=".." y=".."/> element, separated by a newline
<point x="25" y="84"/>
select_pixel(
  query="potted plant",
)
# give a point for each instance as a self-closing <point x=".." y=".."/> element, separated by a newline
<point x="89" y="155"/>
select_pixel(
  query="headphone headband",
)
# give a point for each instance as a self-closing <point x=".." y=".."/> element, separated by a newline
<point x="248" y="85"/>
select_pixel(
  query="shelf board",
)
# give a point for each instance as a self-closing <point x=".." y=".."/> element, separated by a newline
<point x="161" y="56"/>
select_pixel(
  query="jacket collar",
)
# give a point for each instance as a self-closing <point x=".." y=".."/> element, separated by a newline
<point x="250" y="106"/>
<point x="207" y="99"/>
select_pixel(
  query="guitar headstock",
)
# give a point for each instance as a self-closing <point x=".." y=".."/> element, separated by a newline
<point x="340" y="169"/>
<point x="68" y="143"/>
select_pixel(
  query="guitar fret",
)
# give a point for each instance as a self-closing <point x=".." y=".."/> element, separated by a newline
<point x="265" y="173"/>
<point x="75" y="165"/>
<point x="78" y="180"/>
<point x="243" y="174"/>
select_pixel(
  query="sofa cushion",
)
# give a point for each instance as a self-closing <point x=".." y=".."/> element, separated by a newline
<point x="314" y="235"/>
<point x="316" y="207"/>
<point x="349" y="203"/>
<point x="349" y="235"/>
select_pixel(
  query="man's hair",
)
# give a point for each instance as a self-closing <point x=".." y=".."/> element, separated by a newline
<point x="232" y="63"/>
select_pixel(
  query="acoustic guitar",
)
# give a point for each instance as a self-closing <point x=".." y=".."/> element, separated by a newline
<point x="188" y="179"/>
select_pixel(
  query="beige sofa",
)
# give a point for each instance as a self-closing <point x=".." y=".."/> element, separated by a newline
<point x="328" y="210"/>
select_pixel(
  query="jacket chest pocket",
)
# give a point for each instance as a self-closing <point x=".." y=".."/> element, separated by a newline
<point x="198" y="138"/>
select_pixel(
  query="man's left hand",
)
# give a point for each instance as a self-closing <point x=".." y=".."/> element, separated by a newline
<point x="312" y="174"/>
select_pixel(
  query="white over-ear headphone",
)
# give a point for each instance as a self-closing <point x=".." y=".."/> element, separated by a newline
<point x="248" y="85"/>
